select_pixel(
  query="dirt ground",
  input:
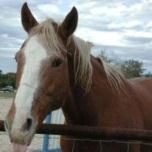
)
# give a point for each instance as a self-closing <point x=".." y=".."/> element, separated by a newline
<point x="5" y="145"/>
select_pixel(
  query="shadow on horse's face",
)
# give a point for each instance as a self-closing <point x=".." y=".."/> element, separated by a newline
<point x="42" y="74"/>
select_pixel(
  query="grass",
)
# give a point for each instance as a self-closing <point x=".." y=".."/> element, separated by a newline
<point x="7" y="94"/>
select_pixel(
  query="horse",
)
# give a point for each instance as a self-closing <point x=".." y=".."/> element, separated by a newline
<point x="56" y="70"/>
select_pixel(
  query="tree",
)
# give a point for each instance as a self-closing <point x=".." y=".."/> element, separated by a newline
<point x="148" y="75"/>
<point x="7" y="79"/>
<point x="132" y="68"/>
<point x="105" y="57"/>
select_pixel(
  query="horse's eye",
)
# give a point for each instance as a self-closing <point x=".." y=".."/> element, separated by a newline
<point x="57" y="62"/>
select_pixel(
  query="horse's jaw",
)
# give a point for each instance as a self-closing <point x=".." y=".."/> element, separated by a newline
<point x="19" y="148"/>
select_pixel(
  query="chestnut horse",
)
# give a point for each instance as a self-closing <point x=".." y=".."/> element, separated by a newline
<point x="55" y="70"/>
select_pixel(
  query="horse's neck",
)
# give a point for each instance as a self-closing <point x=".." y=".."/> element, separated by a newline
<point x="77" y="110"/>
<point x="70" y="111"/>
<point x="84" y="109"/>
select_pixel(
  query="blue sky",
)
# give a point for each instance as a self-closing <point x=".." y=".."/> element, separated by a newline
<point x="122" y="28"/>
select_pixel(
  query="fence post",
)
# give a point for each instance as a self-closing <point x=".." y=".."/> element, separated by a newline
<point x="45" y="147"/>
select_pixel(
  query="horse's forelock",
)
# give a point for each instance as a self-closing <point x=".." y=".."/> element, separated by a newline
<point x="47" y="33"/>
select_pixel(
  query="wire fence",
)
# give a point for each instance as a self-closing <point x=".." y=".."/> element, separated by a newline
<point x="54" y="141"/>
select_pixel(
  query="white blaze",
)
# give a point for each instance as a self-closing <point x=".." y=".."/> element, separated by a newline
<point x="34" y="55"/>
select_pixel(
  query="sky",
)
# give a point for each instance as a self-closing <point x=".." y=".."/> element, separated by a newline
<point x="122" y="28"/>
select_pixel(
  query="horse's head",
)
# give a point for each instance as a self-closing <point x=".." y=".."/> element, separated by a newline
<point x="42" y="74"/>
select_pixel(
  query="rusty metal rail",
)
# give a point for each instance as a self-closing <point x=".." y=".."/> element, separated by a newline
<point x="94" y="133"/>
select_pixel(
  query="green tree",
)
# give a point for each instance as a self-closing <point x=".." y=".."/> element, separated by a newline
<point x="7" y="79"/>
<point x="132" y="68"/>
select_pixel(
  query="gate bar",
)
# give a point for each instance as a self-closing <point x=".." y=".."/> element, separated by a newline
<point x="94" y="133"/>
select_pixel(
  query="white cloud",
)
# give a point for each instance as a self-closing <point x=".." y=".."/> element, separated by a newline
<point x="100" y="37"/>
<point x="122" y="26"/>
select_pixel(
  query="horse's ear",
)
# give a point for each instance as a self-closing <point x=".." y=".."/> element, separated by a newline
<point x="28" y="20"/>
<point x="69" y="24"/>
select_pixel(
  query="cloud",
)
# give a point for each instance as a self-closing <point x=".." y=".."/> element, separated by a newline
<point x="122" y="28"/>
<point x="138" y="40"/>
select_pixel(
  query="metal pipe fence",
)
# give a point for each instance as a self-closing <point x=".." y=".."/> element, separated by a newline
<point x="93" y="133"/>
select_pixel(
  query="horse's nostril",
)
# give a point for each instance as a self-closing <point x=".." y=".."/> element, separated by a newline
<point x="28" y="124"/>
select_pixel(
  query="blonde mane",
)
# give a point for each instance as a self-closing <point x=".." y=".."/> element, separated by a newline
<point x="114" y="75"/>
<point x="82" y="62"/>
<point x="83" y="67"/>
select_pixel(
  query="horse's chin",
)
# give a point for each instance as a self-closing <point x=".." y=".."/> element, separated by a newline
<point x="19" y="148"/>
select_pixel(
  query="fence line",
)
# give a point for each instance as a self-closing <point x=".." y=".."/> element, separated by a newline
<point x="94" y="133"/>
